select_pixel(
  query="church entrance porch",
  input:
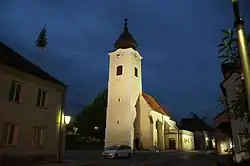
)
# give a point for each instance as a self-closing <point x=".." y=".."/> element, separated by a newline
<point x="171" y="139"/>
<point x="172" y="144"/>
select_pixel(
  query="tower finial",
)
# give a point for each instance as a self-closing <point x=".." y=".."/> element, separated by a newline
<point x="125" y="25"/>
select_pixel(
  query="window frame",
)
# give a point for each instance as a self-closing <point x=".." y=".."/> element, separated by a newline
<point x="15" y="92"/>
<point x="119" y="70"/>
<point x="136" y="72"/>
<point x="6" y="133"/>
<point x="37" y="135"/>
<point x="41" y="98"/>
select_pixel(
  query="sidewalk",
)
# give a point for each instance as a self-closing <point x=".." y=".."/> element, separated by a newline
<point x="67" y="163"/>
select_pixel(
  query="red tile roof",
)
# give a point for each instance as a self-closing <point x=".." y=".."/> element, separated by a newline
<point x="155" y="105"/>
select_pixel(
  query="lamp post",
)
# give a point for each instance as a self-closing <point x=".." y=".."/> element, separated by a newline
<point x="241" y="37"/>
<point x="62" y="135"/>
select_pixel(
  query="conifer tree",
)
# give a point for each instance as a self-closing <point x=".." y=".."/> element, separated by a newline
<point x="42" y="39"/>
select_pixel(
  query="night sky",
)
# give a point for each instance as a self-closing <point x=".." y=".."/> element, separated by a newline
<point x="177" y="40"/>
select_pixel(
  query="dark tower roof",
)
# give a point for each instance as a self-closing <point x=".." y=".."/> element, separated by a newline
<point x="125" y="40"/>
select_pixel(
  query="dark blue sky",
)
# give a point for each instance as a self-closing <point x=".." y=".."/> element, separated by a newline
<point x="177" y="40"/>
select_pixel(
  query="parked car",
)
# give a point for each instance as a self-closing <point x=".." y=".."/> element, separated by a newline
<point x="117" y="151"/>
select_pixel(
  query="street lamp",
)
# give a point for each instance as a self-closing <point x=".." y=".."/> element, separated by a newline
<point x="62" y="130"/>
<point x="67" y="119"/>
<point x="241" y="37"/>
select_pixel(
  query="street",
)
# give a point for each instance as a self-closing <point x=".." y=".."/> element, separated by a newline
<point x="94" y="158"/>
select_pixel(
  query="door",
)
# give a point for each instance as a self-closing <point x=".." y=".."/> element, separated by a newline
<point x="136" y="143"/>
<point x="172" y="144"/>
<point x="122" y="150"/>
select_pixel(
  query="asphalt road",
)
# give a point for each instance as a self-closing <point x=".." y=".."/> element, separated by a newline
<point x="94" y="158"/>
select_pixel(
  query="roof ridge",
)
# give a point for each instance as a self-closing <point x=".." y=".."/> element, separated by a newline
<point x="157" y="107"/>
<point x="13" y="59"/>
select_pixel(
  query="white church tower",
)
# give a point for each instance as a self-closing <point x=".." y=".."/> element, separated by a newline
<point x="124" y="88"/>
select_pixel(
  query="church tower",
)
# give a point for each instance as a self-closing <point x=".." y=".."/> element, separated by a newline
<point x="124" y="88"/>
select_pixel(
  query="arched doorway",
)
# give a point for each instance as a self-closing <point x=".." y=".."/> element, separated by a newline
<point x="166" y="135"/>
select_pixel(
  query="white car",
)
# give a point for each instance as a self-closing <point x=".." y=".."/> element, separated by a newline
<point x="117" y="151"/>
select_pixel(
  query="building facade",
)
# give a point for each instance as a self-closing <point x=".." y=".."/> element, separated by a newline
<point x="223" y="133"/>
<point x="204" y="134"/>
<point x="240" y="128"/>
<point x="133" y="117"/>
<point x="31" y="110"/>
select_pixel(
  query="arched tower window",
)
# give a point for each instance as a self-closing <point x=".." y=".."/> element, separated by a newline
<point x="119" y="70"/>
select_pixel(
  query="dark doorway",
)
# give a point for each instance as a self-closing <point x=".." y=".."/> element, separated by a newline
<point x="136" y="143"/>
<point x="172" y="144"/>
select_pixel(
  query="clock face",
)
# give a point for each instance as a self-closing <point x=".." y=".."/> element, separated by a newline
<point x="118" y="55"/>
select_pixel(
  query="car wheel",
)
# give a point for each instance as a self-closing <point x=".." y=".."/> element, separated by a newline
<point x="116" y="155"/>
<point x="129" y="155"/>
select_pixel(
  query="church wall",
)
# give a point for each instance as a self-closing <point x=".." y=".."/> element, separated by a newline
<point x="137" y="124"/>
<point x="136" y="80"/>
<point x="168" y="130"/>
<point x="149" y="137"/>
<point x="126" y="85"/>
<point x="157" y="117"/>
<point x="148" y="131"/>
<point x="146" y="128"/>
<point x="123" y="92"/>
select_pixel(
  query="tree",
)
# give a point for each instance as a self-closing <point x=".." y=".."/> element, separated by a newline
<point x="42" y="40"/>
<point x="91" y="121"/>
<point x="229" y="53"/>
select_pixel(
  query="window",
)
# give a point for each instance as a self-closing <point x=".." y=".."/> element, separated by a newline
<point x="10" y="134"/>
<point x="119" y="70"/>
<point x="123" y="147"/>
<point x="37" y="135"/>
<point x="41" y="98"/>
<point x="136" y="72"/>
<point x="15" y="92"/>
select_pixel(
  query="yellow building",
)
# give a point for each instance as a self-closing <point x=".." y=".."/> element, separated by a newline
<point x="30" y="107"/>
<point x="133" y="117"/>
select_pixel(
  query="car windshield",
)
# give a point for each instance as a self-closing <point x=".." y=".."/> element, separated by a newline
<point x="113" y="148"/>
